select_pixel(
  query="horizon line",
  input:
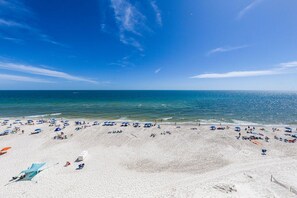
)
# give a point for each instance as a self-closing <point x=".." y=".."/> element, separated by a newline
<point x="268" y="90"/>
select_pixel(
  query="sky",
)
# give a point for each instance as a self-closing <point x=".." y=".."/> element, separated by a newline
<point x="148" y="45"/>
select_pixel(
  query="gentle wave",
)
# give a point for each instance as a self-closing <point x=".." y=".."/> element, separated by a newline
<point x="168" y="118"/>
<point x="44" y="115"/>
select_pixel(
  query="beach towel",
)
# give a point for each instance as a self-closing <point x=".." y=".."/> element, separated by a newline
<point x="256" y="142"/>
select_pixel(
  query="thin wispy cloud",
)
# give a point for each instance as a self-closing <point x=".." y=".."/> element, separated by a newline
<point x="130" y="41"/>
<point x="131" y="22"/>
<point x="226" y="49"/>
<point x="9" y="23"/>
<point x="122" y="63"/>
<point x="249" y="7"/>
<point x="281" y="68"/>
<point x="157" y="12"/>
<point x="40" y="36"/>
<point x="42" y="71"/>
<point x="128" y="61"/>
<point x="14" y="5"/>
<point x="292" y="64"/>
<point x="13" y="23"/>
<point x="103" y="27"/>
<point x="46" y="38"/>
<point x="22" y="78"/>
<point x="234" y="74"/>
<point x="16" y="40"/>
<point x="158" y="70"/>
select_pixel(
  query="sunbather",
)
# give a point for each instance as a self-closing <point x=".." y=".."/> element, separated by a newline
<point x="81" y="166"/>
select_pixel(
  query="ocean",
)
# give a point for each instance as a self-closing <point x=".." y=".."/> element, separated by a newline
<point x="170" y="106"/>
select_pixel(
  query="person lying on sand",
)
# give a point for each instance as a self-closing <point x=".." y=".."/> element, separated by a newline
<point x="81" y="166"/>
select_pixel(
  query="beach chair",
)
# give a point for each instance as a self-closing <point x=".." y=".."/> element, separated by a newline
<point x="82" y="156"/>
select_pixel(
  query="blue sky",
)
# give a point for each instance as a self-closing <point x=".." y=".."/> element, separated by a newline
<point x="148" y="44"/>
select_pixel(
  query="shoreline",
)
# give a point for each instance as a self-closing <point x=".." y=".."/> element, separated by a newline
<point x="159" y="122"/>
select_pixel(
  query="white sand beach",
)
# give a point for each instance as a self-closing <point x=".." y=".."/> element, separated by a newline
<point x="177" y="161"/>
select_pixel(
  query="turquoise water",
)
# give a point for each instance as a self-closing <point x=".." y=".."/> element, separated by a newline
<point x="172" y="106"/>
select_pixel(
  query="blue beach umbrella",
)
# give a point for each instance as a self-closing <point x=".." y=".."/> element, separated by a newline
<point x="213" y="127"/>
<point x="37" y="130"/>
<point x="288" y="129"/>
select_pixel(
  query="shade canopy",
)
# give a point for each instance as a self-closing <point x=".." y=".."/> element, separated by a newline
<point x="32" y="171"/>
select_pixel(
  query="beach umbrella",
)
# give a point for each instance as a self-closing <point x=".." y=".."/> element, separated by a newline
<point x="288" y="129"/>
<point x="5" y="148"/>
<point x="58" y="129"/>
<point x="213" y="127"/>
<point x="37" y="130"/>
